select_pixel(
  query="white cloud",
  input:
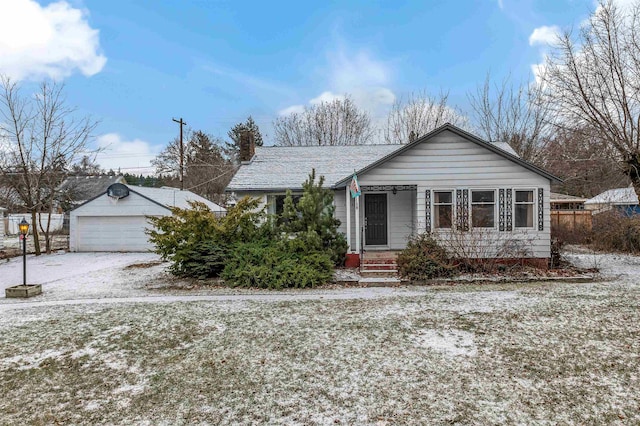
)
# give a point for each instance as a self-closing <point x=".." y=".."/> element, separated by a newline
<point x="544" y="35"/>
<point x="359" y="75"/>
<point x="327" y="96"/>
<point x="501" y="4"/>
<point x="51" y="41"/>
<point x="130" y="156"/>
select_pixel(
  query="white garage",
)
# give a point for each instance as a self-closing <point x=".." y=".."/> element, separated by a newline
<point x="116" y="220"/>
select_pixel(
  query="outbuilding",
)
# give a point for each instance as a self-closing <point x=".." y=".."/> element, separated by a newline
<point x="116" y="219"/>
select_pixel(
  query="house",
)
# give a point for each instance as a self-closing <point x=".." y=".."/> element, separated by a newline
<point x="624" y="199"/>
<point x="566" y="202"/>
<point x="116" y="219"/>
<point x="447" y="181"/>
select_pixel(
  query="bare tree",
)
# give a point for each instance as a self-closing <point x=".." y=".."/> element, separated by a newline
<point x="577" y="158"/>
<point x="516" y="114"/>
<point x="43" y="137"/>
<point x="206" y="170"/>
<point x="593" y="81"/>
<point x="417" y="114"/>
<point x="339" y="122"/>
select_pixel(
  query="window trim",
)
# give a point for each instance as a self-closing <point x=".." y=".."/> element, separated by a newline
<point x="495" y="207"/>
<point x="434" y="206"/>
<point x="534" y="203"/>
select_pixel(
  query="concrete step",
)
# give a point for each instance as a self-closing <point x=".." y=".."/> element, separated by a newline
<point x="379" y="282"/>
<point x="389" y="273"/>
<point x="377" y="261"/>
<point x="378" y="267"/>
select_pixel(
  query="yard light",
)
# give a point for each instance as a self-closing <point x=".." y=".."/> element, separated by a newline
<point x="24" y="230"/>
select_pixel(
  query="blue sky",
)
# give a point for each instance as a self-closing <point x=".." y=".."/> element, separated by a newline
<point x="134" y="65"/>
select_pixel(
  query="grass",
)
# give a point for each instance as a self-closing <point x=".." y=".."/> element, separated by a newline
<point x="547" y="353"/>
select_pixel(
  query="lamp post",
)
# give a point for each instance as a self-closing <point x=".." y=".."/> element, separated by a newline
<point x="24" y="230"/>
<point x="23" y="290"/>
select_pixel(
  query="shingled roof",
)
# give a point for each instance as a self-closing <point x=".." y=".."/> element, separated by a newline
<point x="275" y="168"/>
<point x="78" y="189"/>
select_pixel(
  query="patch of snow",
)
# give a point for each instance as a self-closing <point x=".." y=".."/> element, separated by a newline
<point x="83" y="352"/>
<point x="449" y="342"/>
<point x="27" y="362"/>
<point x="92" y="406"/>
<point x="132" y="389"/>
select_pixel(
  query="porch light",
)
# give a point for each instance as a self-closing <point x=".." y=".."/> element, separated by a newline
<point x="394" y="190"/>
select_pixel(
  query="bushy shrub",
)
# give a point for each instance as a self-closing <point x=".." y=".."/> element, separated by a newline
<point x="197" y="241"/>
<point x="615" y="231"/>
<point x="251" y="249"/>
<point x="275" y="265"/>
<point x="424" y="259"/>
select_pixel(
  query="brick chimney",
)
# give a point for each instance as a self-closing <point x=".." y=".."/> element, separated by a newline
<point x="247" y="147"/>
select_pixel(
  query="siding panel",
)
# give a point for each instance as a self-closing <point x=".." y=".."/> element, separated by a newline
<point x="450" y="162"/>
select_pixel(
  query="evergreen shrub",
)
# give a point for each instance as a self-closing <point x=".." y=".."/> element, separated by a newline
<point x="424" y="258"/>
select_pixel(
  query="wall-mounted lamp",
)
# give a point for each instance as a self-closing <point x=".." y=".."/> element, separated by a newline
<point x="394" y="190"/>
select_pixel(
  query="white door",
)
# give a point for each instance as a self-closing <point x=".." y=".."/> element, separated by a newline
<point x="112" y="233"/>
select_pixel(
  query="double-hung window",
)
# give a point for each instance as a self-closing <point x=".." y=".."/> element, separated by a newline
<point x="442" y="209"/>
<point x="483" y="208"/>
<point x="524" y="209"/>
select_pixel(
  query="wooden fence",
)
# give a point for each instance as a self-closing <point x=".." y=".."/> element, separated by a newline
<point x="570" y="220"/>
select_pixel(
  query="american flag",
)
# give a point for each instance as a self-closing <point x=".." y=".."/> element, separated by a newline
<point x="354" y="187"/>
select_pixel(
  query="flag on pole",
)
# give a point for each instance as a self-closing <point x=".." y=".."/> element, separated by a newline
<point x="354" y="187"/>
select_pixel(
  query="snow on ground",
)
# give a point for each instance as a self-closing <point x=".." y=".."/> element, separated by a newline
<point x="100" y="346"/>
<point x="82" y="275"/>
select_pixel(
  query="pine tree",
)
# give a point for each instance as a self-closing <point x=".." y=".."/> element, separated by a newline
<point x="312" y="219"/>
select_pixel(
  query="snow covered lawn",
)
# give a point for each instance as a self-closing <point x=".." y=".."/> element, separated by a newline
<point x="82" y="275"/>
<point x="489" y="354"/>
<point x="515" y="354"/>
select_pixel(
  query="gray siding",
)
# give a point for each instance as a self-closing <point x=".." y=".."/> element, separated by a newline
<point x="339" y="200"/>
<point x="449" y="161"/>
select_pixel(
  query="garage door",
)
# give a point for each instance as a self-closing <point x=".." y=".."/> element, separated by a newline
<point x="112" y="233"/>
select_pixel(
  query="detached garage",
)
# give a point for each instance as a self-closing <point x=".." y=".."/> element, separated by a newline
<point x="116" y="219"/>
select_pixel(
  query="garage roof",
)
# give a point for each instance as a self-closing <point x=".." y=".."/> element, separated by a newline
<point x="173" y="197"/>
<point x="166" y="197"/>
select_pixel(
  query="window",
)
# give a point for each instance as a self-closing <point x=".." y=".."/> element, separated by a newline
<point x="442" y="209"/>
<point x="483" y="209"/>
<point x="278" y="203"/>
<point x="524" y="209"/>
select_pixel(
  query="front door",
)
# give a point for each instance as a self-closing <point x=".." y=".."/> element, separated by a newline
<point x="375" y="216"/>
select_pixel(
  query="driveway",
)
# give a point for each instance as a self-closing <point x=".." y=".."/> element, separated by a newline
<point x="82" y="275"/>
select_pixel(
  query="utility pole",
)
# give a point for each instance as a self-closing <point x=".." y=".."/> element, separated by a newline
<point x="181" y="123"/>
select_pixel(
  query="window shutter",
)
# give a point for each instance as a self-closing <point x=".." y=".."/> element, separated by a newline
<point x="508" y="209"/>
<point x="462" y="209"/>
<point x="540" y="209"/>
<point x="501" y="210"/>
<point x="427" y="210"/>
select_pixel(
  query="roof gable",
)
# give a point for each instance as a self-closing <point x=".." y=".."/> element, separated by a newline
<point x="456" y="130"/>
